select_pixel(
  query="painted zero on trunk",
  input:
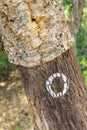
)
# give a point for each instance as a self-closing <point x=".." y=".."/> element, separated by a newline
<point x="49" y="85"/>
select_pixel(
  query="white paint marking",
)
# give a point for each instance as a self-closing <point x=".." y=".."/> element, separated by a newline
<point x="49" y="83"/>
<point x="58" y="74"/>
<point x="54" y="75"/>
<point x="64" y="77"/>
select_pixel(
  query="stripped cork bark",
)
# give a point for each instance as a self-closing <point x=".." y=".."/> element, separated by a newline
<point x="34" y="31"/>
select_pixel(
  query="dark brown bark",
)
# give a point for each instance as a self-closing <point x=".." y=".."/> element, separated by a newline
<point x="68" y="112"/>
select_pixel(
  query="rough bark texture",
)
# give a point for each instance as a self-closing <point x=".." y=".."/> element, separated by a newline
<point x="36" y="35"/>
<point x="68" y="112"/>
<point x="30" y="29"/>
<point x="76" y="16"/>
<point x="75" y="19"/>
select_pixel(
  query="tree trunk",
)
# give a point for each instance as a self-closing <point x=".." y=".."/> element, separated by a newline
<point x="56" y="112"/>
<point x="37" y="39"/>
<point x="76" y="16"/>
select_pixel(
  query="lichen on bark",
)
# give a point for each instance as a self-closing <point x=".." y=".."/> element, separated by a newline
<point x="34" y="31"/>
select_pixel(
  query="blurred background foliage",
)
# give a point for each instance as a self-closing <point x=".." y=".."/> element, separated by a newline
<point x="81" y="38"/>
<point x="68" y="4"/>
<point x="81" y="43"/>
<point x="5" y="66"/>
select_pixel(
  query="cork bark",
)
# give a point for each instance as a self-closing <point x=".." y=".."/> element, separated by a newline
<point x="30" y="29"/>
<point x="75" y="19"/>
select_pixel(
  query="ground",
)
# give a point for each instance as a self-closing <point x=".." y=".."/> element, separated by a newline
<point x="14" y="110"/>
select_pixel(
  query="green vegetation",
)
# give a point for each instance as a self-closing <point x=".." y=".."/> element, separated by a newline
<point x="18" y="128"/>
<point x="5" y="66"/>
<point x="68" y="7"/>
<point x="81" y="42"/>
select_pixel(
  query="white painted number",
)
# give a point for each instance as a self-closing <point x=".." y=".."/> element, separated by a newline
<point x="49" y="83"/>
